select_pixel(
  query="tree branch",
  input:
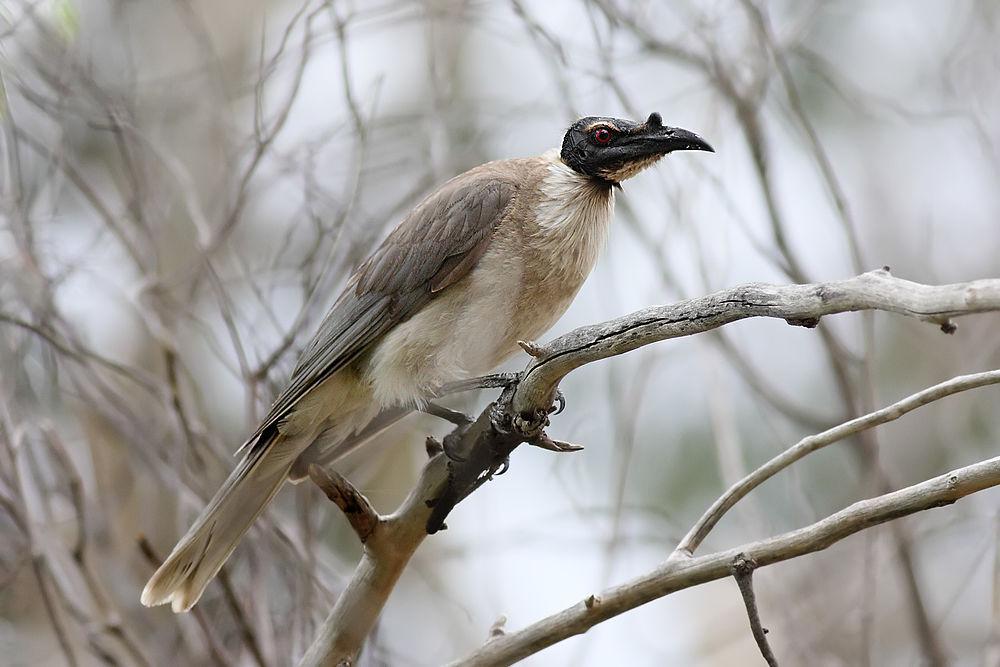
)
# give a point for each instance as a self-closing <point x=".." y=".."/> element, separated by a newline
<point x="679" y="575"/>
<point x="476" y="451"/>
<point x="812" y="443"/>
<point x="799" y="305"/>
<point x="387" y="550"/>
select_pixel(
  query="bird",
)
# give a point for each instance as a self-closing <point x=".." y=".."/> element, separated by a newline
<point x="492" y="257"/>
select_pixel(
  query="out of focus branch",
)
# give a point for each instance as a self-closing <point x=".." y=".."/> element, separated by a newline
<point x="813" y="443"/>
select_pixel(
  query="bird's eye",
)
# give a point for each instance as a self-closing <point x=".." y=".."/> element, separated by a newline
<point x="602" y="135"/>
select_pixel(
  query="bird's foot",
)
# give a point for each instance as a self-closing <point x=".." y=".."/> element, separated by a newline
<point x="558" y="403"/>
<point x="529" y="424"/>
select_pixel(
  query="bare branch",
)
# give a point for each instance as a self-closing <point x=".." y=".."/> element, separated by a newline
<point x="812" y="443"/>
<point x="675" y="576"/>
<point x="474" y="452"/>
<point x="387" y="551"/>
<point x="800" y="305"/>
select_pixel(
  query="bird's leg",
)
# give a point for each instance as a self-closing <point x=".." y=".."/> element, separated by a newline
<point x="498" y="380"/>
<point x="450" y="445"/>
<point x="531" y="427"/>
<point x="480" y="450"/>
<point x="441" y="412"/>
<point x="493" y="381"/>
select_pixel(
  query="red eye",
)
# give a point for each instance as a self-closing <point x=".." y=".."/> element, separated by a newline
<point x="602" y="135"/>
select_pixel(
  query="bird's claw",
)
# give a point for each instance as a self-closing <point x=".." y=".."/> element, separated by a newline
<point x="504" y="467"/>
<point x="558" y="403"/>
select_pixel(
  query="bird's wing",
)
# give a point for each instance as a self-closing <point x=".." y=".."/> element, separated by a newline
<point x="438" y="243"/>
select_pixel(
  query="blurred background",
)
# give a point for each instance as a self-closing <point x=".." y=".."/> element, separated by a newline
<point x="187" y="184"/>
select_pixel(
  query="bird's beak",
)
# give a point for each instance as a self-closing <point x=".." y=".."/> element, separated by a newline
<point x="641" y="145"/>
<point x="669" y="139"/>
<point x="653" y="138"/>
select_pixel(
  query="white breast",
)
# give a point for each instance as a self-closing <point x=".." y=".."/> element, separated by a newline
<point x="457" y="335"/>
<point x="475" y="325"/>
<point x="574" y="215"/>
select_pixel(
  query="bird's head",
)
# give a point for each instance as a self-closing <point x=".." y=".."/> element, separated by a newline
<point x="612" y="149"/>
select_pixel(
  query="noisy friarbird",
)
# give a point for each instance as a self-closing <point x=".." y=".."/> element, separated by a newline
<point x="493" y="256"/>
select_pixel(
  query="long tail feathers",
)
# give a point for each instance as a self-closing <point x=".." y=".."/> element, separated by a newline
<point x="199" y="555"/>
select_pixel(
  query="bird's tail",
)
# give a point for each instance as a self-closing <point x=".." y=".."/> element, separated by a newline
<point x="199" y="555"/>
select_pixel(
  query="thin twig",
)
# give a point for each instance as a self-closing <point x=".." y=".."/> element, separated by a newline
<point x="812" y="443"/>
<point x="742" y="570"/>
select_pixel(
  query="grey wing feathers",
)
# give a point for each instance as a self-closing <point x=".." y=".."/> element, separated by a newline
<point x="437" y="244"/>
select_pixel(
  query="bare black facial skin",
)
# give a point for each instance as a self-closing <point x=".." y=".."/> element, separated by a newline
<point x="605" y="148"/>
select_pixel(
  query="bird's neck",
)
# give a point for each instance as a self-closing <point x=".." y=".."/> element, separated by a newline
<point x="573" y="216"/>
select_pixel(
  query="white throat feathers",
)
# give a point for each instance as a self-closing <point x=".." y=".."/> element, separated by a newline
<point x="573" y="217"/>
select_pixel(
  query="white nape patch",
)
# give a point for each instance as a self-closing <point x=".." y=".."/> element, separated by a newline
<point x="574" y="214"/>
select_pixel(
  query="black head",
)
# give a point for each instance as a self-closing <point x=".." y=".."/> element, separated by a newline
<point x="612" y="149"/>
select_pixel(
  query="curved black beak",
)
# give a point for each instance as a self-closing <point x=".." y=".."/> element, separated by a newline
<point x="652" y="137"/>
<point x="677" y="139"/>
